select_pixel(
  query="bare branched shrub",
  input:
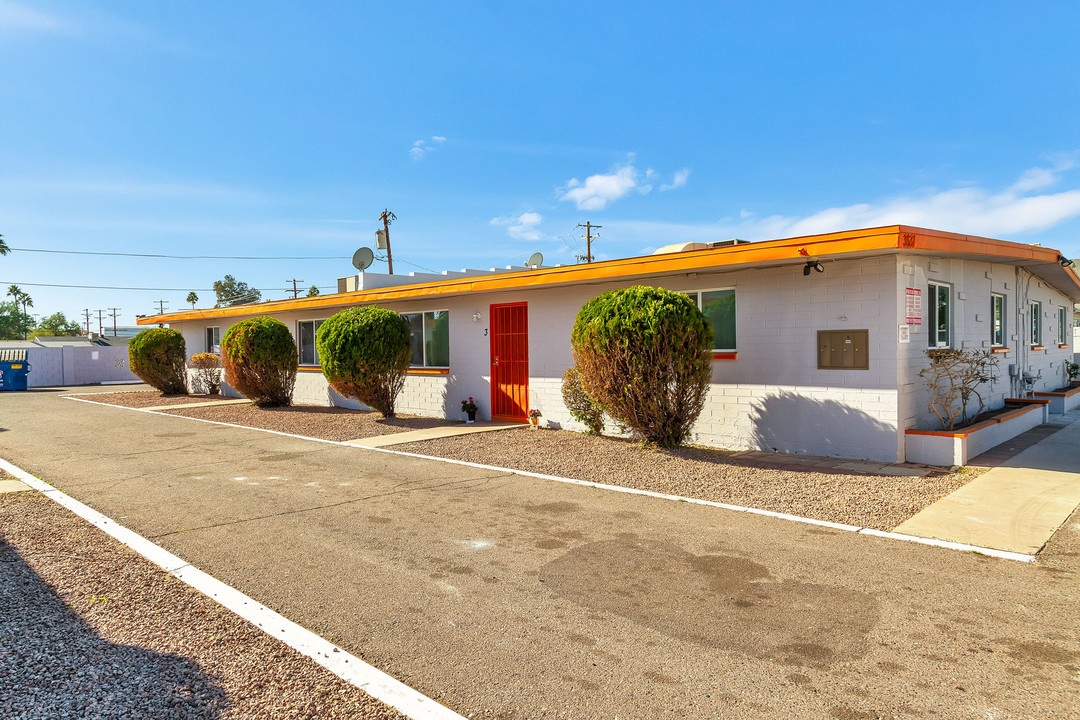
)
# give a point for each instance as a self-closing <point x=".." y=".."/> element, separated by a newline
<point x="582" y="407"/>
<point x="207" y="367"/>
<point x="953" y="379"/>
<point x="644" y="356"/>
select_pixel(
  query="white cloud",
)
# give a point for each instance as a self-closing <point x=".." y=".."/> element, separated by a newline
<point x="525" y="226"/>
<point x="678" y="181"/>
<point x="598" y="190"/>
<point x="422" y="148"/>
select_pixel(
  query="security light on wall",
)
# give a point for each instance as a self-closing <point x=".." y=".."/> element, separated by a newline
<point x="1065" y="262"/>
<point x="813" y="265"/>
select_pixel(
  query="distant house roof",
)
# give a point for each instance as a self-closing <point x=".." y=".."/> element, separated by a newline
<point x="63" y="340"/>
<point x="894" y="239"/>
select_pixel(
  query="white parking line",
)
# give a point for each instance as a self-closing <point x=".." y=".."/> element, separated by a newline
<point x="933" y="542"/>
<point x="346" y="666"/>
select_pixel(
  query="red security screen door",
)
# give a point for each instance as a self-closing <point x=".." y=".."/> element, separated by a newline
<point x="510" y="361"/>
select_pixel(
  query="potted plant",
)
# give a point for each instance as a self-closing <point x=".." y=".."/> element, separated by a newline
<point x="534" y="417"/>
<point x="469" y="407"/>
<point x="1073" y="371"/>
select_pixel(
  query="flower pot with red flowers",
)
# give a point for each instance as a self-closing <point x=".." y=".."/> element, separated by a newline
<point x="469" y="407"/>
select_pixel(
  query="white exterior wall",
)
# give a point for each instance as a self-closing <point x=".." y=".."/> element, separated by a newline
<point x="971" y="283"/>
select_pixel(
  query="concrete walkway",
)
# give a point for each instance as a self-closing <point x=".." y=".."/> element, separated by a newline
<point x="208" y="403"/>
<point x="432" y="433"/>
<point x="1015" y="506"/>
<point x="7" y="486"/>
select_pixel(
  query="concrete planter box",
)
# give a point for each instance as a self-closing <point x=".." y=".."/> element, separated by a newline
<point x="1061" y="402"/>
<point x="945" y="448"/>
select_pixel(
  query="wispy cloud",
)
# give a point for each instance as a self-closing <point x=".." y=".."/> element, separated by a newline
<point x="1016" y="210"/>
<point x="422" y="148"/>
<point x="16" y="16"/>
<point x="678" y="181"/>
<point x="525" y="226"/>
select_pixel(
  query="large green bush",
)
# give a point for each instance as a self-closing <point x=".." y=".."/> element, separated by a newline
<point x="644" y="356"/>
<point x="582" y="407"/>
<point x="157" y="357"/>
<point x="365" y="354"/>
<point x="260" y="360"/>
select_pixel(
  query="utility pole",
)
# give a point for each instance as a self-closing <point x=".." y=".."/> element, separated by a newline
<point x="589" y="227"/>
<point x="114" y="312"/>
<point x="100" y="313"/>
<point x="161" y="306"/>
<point x="388" y="217"/>
<point x="295" y="292"/>
<point x="86" y="314"/>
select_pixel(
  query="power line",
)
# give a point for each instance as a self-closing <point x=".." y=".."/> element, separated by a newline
<point x="295" y="292"/>
<point x="589" y="227"/>
<point x="148" y="289"/>
<point x="176" y="257"/>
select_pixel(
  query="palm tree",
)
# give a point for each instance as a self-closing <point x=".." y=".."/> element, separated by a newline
<point x="192" y="298"/>
<point x="4" y="249"/>
<point x="19" y="296"/>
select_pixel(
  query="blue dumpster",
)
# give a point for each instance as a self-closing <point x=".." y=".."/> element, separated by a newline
<point x="13" y="369"/>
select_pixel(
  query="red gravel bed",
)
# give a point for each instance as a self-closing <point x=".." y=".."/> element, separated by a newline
<point x="89" y="629"/>
<point x="867" y="500"/>
<point x="325" y="423"/>
<point x="152" y="398"/>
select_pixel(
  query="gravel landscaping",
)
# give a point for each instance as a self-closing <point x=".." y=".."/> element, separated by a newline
<point x="89" y="629"/>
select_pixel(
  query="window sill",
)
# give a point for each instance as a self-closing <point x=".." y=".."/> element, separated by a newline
<point x="1062" y="346"/>
<point x="999" y="350"/>
<point x="725" y="355"/>
<point x="428" y="371"/>
<point x="1038" y="347"/>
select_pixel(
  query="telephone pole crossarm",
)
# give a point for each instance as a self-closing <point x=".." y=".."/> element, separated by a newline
<point x="589" y="227"/>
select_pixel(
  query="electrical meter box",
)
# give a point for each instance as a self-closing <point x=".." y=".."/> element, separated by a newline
<point x="843" y="350"/>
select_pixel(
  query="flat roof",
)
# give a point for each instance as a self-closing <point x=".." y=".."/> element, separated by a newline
<point x="892" y="239"/>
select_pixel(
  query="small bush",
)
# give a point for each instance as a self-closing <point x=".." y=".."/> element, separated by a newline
<point x="644" y="356"/>
<point x="260" y="361"/>
<point x="157" y="357"/>
<point x="365" y="354"/>
<point x="582" y="407"/>
<point x="207" y="367"/>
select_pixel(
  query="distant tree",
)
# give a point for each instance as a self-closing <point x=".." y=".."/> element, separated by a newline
<point x="232" y="292"/>
<point x="313" y="292"/>
<point x="4" y="249"/>
<point x="58" y="324"/>
<point x="21" y="298"/>
<point x="13" y="322"/>
<point x="192" y="298"/>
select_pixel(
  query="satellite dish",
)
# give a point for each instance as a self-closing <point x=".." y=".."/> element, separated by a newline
<point x="535" y="260"/>
<point x="363" y="258"/>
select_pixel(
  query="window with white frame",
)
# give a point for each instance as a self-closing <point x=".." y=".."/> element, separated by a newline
<point x="1062" y="324"/>
<point x="213" y="340"/>
<point x="939" y="307"/>
<point x="718" y="307"/>
<point x="305" y="341"/>
<point x="429" y="338"/>
<point x="997" y="320"/>
<point x="1036" y="323"/>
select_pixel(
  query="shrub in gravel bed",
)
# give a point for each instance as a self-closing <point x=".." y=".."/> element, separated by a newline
<point x="207" y="367"/>
<point x="365" y="354"/>
<point x="157" y="357"/>
<point x="260" y="361"/>
<point x="644" y="355"/>
<point x="582" y="407"/>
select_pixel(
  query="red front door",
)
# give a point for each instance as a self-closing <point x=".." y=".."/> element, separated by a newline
<point x="509" y="361"/>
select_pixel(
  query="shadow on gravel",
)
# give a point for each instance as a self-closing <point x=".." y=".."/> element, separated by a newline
<point x="54" y="665"/>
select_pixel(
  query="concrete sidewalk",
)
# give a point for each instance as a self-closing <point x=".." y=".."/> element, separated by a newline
<point x="432" y="433"/>
<point x="1015" y="506"/>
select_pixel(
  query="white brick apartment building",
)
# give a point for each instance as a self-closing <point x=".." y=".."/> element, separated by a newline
<point x="823" y="363"/>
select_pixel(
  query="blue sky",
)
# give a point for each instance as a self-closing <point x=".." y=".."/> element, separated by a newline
<point x="491" y="129"/>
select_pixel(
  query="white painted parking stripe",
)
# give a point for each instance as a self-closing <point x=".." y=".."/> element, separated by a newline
<point x="348" y="667"/>
<point x="933" y="542"/>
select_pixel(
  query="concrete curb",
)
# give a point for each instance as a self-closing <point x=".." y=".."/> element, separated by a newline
<point x="933" y="542"/>
<point x="346" y="666"/>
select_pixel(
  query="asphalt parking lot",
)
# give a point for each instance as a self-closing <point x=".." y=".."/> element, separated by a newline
<point x="506" y="596"/>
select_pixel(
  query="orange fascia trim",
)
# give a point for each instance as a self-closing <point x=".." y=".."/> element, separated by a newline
<point x="1026" y="401"/>
<point x="1062" y="345"/>
<point x="428" y="371"/>
<point x="725" y="356"/>
<point x="787" y="251"/>
<point x="1068" y="393"/>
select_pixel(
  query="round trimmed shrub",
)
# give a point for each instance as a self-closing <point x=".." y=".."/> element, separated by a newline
<point x="207" y="367"/>
<point x="644" y="356"/>
<point x="365" y="354"/>
<point x="260" y="361"/>
<point x="157" y="357"/>
<point x="582" y="407"/>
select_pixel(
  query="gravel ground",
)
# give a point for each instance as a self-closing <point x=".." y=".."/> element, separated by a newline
<point x="142" y="399"/>
<point x="875" y="501"/>
<point x="88" y="629"/>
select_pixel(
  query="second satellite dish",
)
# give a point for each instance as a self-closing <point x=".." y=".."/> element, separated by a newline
<point x="363" y="258"/>
<point x="535" y="260"/>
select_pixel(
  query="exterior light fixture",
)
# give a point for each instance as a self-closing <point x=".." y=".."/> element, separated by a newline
<point x="476" y="316"/>
<point x="813" y="265"/>
<point x="1065" y="262"/>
